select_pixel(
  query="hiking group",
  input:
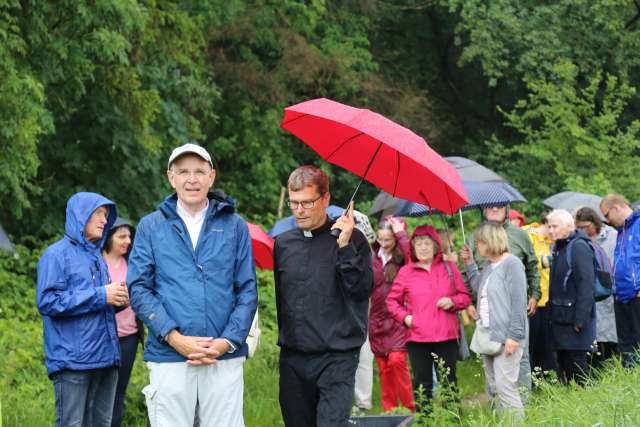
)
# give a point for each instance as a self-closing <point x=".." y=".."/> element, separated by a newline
<point x="537" y="292"/>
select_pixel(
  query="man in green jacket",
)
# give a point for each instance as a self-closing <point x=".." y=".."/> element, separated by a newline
<point x="519" y="245"/>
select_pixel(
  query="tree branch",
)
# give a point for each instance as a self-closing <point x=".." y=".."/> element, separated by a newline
<point x="633" y="20"/>
<point x="414" y="7"/>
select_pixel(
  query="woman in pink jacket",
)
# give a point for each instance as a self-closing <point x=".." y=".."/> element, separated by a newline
<point x="388" y="336"/>
<point x="425" y="296"/>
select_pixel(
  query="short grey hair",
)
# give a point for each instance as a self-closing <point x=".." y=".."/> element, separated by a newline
<point x="563" y="216"/>
<point x="307" y="176"/>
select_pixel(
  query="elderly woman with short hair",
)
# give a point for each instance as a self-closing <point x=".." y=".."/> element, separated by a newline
<point x="425" y="296"/>
<point x="571" y="295"/>
<point x="501" y="289"/>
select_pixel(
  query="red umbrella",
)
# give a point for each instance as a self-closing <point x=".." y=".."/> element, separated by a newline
<point x="262" y="247"/>
<point x="389" y="156"/>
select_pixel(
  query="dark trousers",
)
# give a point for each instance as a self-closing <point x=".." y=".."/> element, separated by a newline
<point x="128" y="348"/>
<point x="573" y="365"/>
<point x="628" y="328"/>
<point x="423" y="363"/>
<point x="85" y="398"/>
<point x="317" y="389"/>
<point x="541" y="354"/>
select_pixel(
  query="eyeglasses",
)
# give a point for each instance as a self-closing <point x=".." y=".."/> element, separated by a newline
<point x="383" y="241"/>
<point x="606" y="214"/>
<point x="185" y="173"/>
<point x="306" y="204"/>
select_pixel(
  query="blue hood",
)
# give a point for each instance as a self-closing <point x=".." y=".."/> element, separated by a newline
<point x="79" y="209"/>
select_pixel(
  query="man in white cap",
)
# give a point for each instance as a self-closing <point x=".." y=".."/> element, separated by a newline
<point x="192" y="281"/>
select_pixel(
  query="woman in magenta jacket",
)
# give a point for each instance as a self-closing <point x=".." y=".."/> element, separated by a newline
<point x="425" y="296"/>
<point x="388" y="336"/>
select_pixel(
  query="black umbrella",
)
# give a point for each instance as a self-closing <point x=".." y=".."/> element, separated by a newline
<point x="385" y="204"/>
<point x="571" y="200"/>
<point x="470" y="170"/>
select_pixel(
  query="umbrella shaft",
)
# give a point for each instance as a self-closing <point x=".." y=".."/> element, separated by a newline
<point x="364" y="175"/>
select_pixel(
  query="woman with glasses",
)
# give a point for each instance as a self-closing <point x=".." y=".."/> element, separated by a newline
<point x="604" y="235"/>
<point x="386" y="335"/>
<point x="426" y="295"/>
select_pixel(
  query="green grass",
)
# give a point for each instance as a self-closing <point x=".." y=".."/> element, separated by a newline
<point x="612" y="398"/>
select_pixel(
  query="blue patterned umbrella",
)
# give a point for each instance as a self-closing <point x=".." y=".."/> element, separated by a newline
<point x="480" y="194"/>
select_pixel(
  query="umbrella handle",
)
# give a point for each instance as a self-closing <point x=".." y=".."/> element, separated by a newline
<point x="336" y="231"/>
<point x="464" y="239"/>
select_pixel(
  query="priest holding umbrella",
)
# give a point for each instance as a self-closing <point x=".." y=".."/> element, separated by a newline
<point x="323" y="269"/>
<point x="323" y="284"/>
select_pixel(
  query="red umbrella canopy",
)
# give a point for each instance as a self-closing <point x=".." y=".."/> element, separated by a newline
<point x="262" y="247"/>
<point x="395" y="159"/>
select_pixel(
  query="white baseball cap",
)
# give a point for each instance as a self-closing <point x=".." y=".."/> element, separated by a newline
<point x="189" y="148"/>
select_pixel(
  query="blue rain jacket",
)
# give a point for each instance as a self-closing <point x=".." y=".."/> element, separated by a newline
<point x="79" y="327"/>
<point x="208" y="292"/>
<point x="626" y="260"/>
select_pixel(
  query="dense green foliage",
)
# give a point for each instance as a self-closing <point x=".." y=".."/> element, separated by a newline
<point x="93" y="96"/>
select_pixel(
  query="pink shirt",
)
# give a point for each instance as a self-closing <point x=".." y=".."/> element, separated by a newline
<point x="126" y="319"/>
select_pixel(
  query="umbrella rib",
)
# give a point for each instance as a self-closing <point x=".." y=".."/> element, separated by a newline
<point x="365" y="172"/>
<point x="343" y="144"/>
<point x="424" y="196"/>
<point x="395" y="185"/>
<point x="293" y="120"/>
<point x="448" y="191"/>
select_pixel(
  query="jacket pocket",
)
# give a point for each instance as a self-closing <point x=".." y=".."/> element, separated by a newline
<point x="563" y="311"/>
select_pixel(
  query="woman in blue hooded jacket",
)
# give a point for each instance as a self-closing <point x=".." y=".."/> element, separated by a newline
<point x="77" y="304"/>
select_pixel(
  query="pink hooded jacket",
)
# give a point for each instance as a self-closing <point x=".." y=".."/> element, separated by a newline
<point x="416" y="291"/>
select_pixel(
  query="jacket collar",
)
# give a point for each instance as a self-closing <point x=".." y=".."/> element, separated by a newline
<point x="628" y="223"/>
<point x="218" y="202"/>
<point x="436" y="261"/>
<point x="575" y="235"/>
